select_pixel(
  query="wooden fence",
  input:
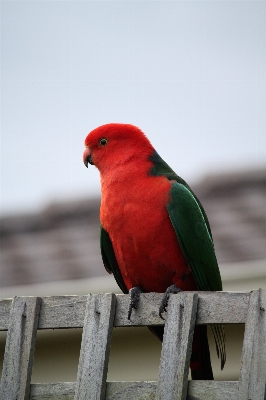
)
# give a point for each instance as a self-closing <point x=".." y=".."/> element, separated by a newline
<point x="97" y="314"/>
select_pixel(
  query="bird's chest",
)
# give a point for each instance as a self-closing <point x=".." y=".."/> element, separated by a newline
<point x="133" y="212"/>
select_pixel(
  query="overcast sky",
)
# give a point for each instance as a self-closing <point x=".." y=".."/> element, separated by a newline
<point x="190" y="74"/>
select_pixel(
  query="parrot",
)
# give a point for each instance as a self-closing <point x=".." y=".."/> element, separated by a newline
<point x="154" y="233"/>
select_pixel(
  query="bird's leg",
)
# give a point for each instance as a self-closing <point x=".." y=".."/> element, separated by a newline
<point x="134" y="299"/>
<point x="164" y="302"/>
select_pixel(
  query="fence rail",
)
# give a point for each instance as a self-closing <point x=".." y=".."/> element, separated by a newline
<point x="98" y="314"/>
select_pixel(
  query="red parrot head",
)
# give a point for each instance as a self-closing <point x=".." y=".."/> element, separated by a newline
<point x="114" y="144"/>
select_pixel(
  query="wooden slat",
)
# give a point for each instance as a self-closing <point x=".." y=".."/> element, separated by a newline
<point x="177" y="345"/>
<point x="212" y="390"/>
<point x="197" y="390"/>
<point x="222" y="307"/>
<point x="252" y="377"/>
<point x="52" y="391"/>
<point x="131" y="390"/>
<point x="68" y="311"/>
<point x="95" y="347"/>
<point x="62" y="312"/>
<point x="19" y="350"/>
<point x="213" y="307"/>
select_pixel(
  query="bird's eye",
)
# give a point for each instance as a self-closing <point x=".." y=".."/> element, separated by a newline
<point x="103" y="142"/>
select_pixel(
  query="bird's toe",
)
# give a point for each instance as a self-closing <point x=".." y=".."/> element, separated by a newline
<point x="164" y="303"/>
<point x="134" y="294"/>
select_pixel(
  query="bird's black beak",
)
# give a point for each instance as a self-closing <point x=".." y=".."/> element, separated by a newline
<point x="88" y="160"/>
<point x="87" y="157"/>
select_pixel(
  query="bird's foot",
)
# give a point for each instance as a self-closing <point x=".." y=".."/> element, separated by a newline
<point x="164" y="302"/>
<point x="134" y="299"/>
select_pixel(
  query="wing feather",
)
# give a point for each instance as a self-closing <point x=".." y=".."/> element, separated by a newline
<point x="194" y="237"/>
<point x="109" y="259"/>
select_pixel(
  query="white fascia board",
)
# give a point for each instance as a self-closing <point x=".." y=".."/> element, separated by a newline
<point x="235" y="276"/>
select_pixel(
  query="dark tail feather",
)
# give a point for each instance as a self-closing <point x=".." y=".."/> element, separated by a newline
<point x="200" y="362"/>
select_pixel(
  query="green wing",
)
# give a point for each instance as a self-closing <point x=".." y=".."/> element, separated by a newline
<point x="109" y="259"/>
<point x="194" y="236"/>
<point x="191" y="226"/>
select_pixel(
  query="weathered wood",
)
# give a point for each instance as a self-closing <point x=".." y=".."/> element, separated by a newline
<point x="68" y="311"/>
<point x="62" y="312"/>
<point x="222" y="307"/>
<point x="131" y="390"/>
<point x="52" y="391"/>
<point x="212" y="390"/>
<point x="19" y="350"/>
<point x="197" y="390"/>
<point x="114" y="391"/>
<point x="176" y="348"/>
<point x="252" y="377"/>
<point x="95" y="347"/>
<point x="214" y="307"/>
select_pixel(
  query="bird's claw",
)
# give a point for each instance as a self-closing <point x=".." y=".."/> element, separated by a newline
<point x="164" y="303"/>
<point x="134" y="294"/>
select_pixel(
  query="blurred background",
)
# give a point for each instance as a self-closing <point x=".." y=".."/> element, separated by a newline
<point x="192" y="76"/>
